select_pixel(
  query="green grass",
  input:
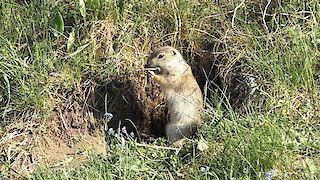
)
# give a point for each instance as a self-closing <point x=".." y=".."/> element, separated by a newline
<point x="276" y="127"/>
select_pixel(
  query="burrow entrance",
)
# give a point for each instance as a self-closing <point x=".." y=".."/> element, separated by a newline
<point x="136" y="103"/>
<point x="133" y="99"/>
<point x="139" y="104"/>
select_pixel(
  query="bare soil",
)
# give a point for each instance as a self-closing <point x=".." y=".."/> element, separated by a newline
<point x="53" y="143"/>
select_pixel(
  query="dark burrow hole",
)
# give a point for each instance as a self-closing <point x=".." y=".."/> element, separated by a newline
<point x="135" y="104"/>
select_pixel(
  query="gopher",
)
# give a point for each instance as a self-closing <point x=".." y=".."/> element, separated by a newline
<point x="183" y="95"/>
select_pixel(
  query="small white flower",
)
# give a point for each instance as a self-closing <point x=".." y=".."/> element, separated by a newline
<point x="124" y="130"/>
<point x="204" y="169"/>
<point x="270" y="174"/>
<point x="111" y="132"/>
<point x="132" y="135"/>
<point x="251" y="80"/>
<point x="108" y="116"/>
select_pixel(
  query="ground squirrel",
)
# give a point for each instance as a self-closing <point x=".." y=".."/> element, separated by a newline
<point x="183" y="95"/>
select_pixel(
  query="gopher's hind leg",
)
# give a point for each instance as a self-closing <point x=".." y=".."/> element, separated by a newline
<point x="175" y="132"/>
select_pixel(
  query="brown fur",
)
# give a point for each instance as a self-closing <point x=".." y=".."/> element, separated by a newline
<point x="183" y="95"/>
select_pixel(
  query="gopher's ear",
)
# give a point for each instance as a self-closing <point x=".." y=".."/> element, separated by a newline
<point x="174" y="52"/>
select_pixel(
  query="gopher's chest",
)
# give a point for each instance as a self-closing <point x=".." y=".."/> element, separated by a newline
<point x="181" y="107"/>
<point x="176" y="101"/>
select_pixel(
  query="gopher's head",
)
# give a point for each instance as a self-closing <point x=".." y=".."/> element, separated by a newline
<point x="166" y="61"/>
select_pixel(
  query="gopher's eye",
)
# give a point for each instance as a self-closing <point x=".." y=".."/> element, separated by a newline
<point x="160" y="56"/>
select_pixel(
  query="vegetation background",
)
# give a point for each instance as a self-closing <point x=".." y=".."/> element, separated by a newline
<point x="262" y="93"/>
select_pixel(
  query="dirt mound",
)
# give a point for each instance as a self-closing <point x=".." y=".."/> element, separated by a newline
<point x="54" y="142"/>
